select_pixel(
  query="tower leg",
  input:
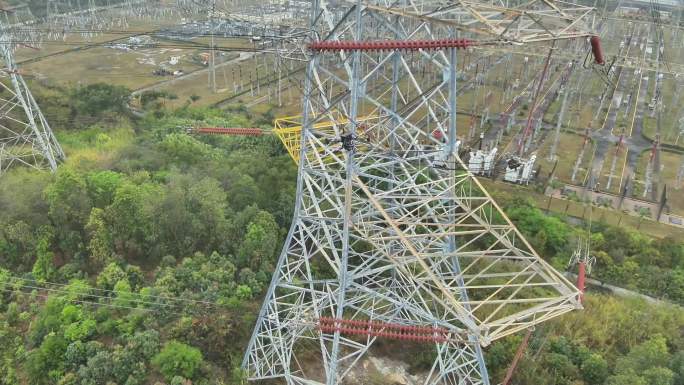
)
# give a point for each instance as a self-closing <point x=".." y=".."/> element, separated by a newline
<point x="457" y="364"/>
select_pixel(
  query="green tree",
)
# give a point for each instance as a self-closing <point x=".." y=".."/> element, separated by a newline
<point x="242" y="191"/>
<point x="47" y="321"/>
<point x="183" y="149"/>
<point x="44" y="267"/>
<point x="659" y="376"/>
<point x="248" y="278"/>
<point x="131" y="218"/>
<point x="78" y="352"/>
<point x="501" y="353"/>
<point x="80" y="330"/>
<point x="564" y="371"/>
<point x="178" y="359"/>
<point x="127" y="368"/>
<point x="550" y="233"/>
<point x="629" y="378"/>
<point x="45" y="365"/>
<point x="123" y="293"/>
<point x="643" y="213"/>
<point x="243" y="292"/>
<point x="594" y="369"/>
<point x="207" y="201"/>
<point x="69" y="209"/>
<point x="144" y="345"/>
<point x="98" y="370"/>
<point x="675" y="285"/>
<point x="213" y="276"/>
<point x="672" y="248"/>
<point x="109" y="277"/>
<point x="101" y="245"/>
<point x="102" y="186"/>
<point x="17" y="245"/>
<point x="178" y="380"/>
<point x="192" y="216"/>
<point x="651" y="353"/>
<point x="99" y="98"/>
<point x="135" y="276"/>
<point x="258" y="248"/>
<point x="68" y="379"/>
<point x="22" y="198"/>
<point x="677" y="366"/>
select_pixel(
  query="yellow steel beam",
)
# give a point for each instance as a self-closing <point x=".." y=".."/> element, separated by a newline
<point x="289" y="130"/>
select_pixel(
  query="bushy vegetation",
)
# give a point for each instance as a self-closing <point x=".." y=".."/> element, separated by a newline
<point x="611" y="342"/>
<point x="135" y="217"/>
<point x="624" y="257"/>
<point x="144" y="258"/>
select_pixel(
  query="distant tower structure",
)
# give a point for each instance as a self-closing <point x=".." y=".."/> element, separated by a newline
<point x="25" y="135"/>
<point x="26" y="138"/>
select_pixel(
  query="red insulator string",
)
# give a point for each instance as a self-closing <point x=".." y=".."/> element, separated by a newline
<point x="389" y="45"/>
<point x="383" y="330"/>
<point x="229" y="131"/>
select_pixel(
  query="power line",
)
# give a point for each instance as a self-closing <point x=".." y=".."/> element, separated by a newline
<point x="83" y="294"/>
<point x="66" y="291"/>
<point x="161" y="33"/>
<point x="188" y="45"/>
<point x="87" y="302"/>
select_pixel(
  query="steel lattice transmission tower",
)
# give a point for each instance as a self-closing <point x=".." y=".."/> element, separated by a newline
<point x="25" y="135"/>
<point x="392" y="237"/>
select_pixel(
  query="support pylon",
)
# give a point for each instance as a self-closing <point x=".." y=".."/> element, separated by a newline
<point x="389" y="226"/>
<point x="25" y="135"/>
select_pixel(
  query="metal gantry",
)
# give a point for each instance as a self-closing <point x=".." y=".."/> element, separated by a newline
<point x="392" y="237"/>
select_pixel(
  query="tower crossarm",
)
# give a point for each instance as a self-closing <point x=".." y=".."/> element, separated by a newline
<point x="533" y="21"/>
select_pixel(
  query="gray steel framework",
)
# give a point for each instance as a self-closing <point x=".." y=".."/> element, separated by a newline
<point x="389" y="225"/>
<point x="25" y="135"/>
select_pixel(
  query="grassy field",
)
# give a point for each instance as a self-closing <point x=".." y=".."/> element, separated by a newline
<point x="569" y="146"/>
<point x="669" y="124"/>
<point x="618" y="172"/>
<point x="132" y="69"/>
<point x="670" y="164"/>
